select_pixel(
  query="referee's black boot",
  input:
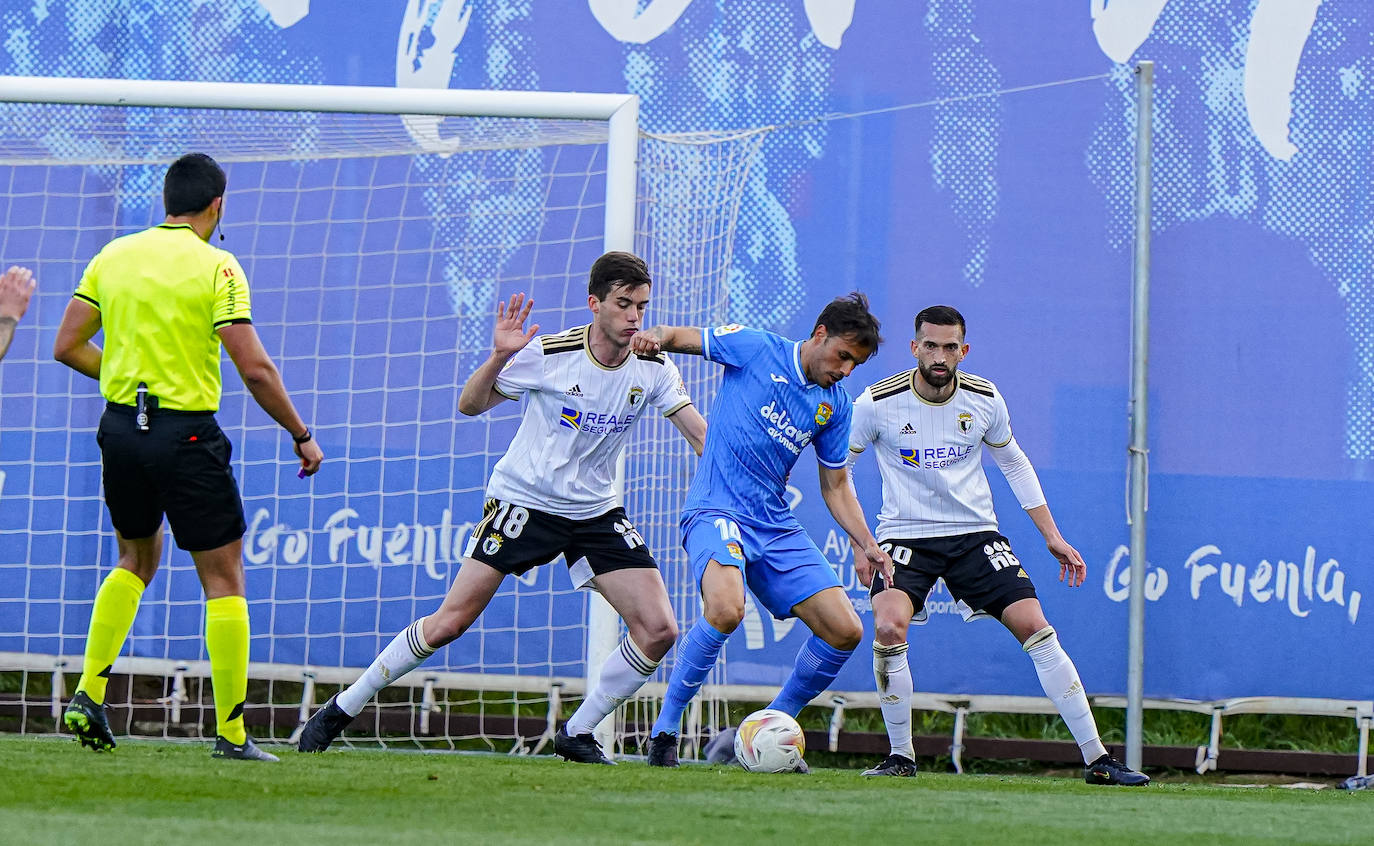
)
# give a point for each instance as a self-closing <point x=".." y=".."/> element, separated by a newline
<point x="85" y="719"/>
<point x="582" y="749"/>
<point x="323" y="727"/>
<point x="663" y="750"/>
<point x="1108" y="770"/>
<point x="245" y="751"/>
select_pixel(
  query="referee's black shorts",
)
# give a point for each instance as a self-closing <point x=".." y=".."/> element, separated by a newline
<point x="180" y="468"/>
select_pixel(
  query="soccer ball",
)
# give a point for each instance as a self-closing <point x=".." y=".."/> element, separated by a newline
<point x="769" y="741"/>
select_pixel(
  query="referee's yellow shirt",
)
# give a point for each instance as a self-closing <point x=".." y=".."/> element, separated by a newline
<point x="162" y="293"/>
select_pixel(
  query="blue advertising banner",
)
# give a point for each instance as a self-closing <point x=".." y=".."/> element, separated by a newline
<point x="967" y="152"/>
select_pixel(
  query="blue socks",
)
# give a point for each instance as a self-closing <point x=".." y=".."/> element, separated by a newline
<point x="817" y="665"/>
<point x="696" y="655"/>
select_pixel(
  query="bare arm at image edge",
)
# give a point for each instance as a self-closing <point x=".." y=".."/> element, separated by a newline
<point x="16" y="287"/>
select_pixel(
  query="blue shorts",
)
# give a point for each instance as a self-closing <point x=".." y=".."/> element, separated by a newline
<point x="781" y="564"/>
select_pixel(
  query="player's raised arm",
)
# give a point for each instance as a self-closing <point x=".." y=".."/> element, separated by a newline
<point x="839" y="496"/>
<point x="508" y="338"/>
<point x="16" y="286"/>
<point x="675" y="339"/>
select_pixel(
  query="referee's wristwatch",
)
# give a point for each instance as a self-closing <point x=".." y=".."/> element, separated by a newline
<point x="303" y="438"/>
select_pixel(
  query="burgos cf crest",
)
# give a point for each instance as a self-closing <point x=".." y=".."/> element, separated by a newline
<point x="571" y="417"/>
<point x="910" y="457"/>
<point x="636" y="396"/>
<point x="492" y="544"/>
<point x="965" y="421"/>
<point x="823" y="412"/>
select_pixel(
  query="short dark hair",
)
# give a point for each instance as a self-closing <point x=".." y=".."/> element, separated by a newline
<point x="849" y="317"/>
<point x="193" y="182"/>
<point x="617" y="269"/>
<point x="941" y="315"/>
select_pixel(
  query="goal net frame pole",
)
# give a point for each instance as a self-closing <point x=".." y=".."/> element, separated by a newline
<point x="622" y="183"/>
<point x="620" y="112"/>
<point x="1139" y="449"/>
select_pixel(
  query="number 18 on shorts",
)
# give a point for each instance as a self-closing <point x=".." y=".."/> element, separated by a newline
<point x="514" y="539"/>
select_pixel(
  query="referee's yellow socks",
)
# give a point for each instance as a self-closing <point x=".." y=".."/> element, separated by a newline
<point x="226" y="639"/>
<point x="116" y="604"/>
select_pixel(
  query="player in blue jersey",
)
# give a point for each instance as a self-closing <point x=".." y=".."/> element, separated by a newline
<point x="777" y="397"/>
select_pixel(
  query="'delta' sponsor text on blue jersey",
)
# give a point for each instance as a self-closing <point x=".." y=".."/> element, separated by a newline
<point x="765" y="414"/>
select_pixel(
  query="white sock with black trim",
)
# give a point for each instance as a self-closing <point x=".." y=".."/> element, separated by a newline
<point x="626" y="670"/>
<point x="895" y="687"/>
<point x="1059" y="678"/>
<point x="407" y="650"/>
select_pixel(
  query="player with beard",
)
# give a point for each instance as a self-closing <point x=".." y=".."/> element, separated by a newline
<point x="929" y="426"/>
<point x="554" y="492"/>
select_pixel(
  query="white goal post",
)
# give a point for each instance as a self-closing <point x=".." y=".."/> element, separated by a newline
<point x="325" y="141"/>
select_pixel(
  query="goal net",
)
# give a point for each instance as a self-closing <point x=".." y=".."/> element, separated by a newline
<point x="378" y="232"/>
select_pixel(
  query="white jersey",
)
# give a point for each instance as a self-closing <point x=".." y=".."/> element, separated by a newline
<point x="930" y="455"/>
<point x="575" y="422"/>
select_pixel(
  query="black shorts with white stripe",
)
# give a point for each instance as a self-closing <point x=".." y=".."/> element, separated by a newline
<point x="515" y="539"/>
<point x="978" y="568"/>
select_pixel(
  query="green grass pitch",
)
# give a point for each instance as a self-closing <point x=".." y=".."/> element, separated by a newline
<point x="56" y="792"/>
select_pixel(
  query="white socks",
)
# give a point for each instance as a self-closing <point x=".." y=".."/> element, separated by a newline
<point x="1059" y="678"/>
<point x="406" y="651"/>
<point x="893" y="674"/>
<point x="625" y="671"/>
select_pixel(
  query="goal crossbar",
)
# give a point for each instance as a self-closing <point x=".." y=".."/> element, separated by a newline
<point x="619" y="111"/>
<point x="260" y="96"/>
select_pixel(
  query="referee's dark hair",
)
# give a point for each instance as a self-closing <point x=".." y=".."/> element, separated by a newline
<point x="193" y="182"/>
<point x="617" y="269"/>
<point x="941" y="315"/>
<point x="849" y="317"/>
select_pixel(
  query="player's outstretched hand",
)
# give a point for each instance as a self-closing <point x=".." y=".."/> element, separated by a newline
<point x="869" y="560"/>
<point x="1072" y="569"/>
<point x="646" y="343"/>
<point x="16" y="287"/>
<point x="510" y="335"/>
<point x="311" y="456"/>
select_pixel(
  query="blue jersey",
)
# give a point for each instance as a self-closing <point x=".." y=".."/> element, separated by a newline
<point x="765" y="414"/>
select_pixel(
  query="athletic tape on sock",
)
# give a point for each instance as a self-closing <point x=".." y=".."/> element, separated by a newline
<point x="1038" y="638"/>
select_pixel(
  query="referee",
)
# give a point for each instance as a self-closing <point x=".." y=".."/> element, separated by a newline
<point x="166" y="300"/>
